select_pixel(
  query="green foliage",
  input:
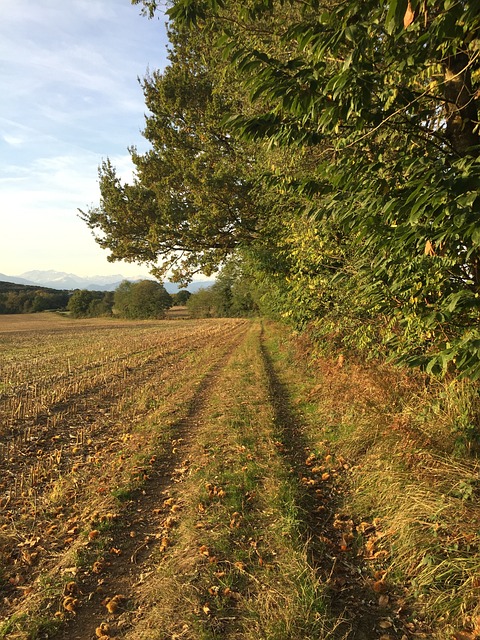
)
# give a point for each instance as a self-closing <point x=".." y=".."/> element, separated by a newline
<point x="90" y="304"/>
<point x="335" y="147"/>
<point x="232" y="295"/>
<point x="193" y="200"/>
<point x="28" y="299"/>
<point x="385" y="96"/>
<point x="203" y="304"/>
<point x="141" y="300"/>
<point x="181" y="297"/>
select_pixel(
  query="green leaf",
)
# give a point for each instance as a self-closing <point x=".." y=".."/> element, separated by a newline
<point x="395" y="14"/>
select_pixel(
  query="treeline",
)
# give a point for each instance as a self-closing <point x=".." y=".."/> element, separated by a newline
<point x="335" y="149"/>
<point x="231" y="295"/>
<point x="144" y="299"/>
<point x="30" y="299"/>
<point x="133" y="300"/>
<point x="234" y="294"/>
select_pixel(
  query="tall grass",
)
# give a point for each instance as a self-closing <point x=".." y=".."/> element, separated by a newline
<point x="411" y="445"/>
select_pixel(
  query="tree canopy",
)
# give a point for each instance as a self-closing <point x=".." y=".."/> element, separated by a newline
<point x="141" y="300"/>
<point x="335" y="146"/>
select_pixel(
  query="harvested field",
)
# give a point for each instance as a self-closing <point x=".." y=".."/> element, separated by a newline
<point x="203" y="480"/>
<point x="77" y="401"/>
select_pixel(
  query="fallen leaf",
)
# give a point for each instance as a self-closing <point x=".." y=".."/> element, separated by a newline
<point x="164" y="544"/>
<point x="380" y="586"/>
<point x="385" y="624"/>
<point x="70" y="604"/>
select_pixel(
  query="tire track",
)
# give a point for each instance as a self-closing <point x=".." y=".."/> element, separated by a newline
<point x="149" y="515"/>
<point x="353" y="604"/>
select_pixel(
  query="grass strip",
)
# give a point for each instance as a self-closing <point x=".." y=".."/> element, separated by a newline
<point x="410" y="487"/>
<point x="238" y="566"/>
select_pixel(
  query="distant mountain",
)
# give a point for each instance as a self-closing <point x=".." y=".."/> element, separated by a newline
<point x="15" y="280"/>
<point x="61" y="280"/>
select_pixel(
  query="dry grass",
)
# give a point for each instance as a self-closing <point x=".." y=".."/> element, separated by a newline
<point x="410" y="444"/>
<point x="237" y="567"/>
<point x="93" y="415"/>
<point x="318" y="499"/>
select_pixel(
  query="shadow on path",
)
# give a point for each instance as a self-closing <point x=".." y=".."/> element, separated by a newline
<point x="352" y="602"/>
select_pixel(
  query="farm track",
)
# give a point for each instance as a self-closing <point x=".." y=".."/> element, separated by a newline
<point x="144" y="516"/>
<point x="185" y="495"/>
<point x="324" y="527"/>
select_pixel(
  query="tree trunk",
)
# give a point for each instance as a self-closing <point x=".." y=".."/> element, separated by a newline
<point x="460" y="106"/>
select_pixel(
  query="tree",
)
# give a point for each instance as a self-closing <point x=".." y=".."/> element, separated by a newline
<point x="141" y="300"/>
<point x="181" y="297"/>
<point x="231" y="295"/>
<point x="203" y="304"/>
<point x="387" y="95"/>
<point x="90" y="304"/>
<point x="334" y="144"/>
<point x="193" y="199"/>
<point x="79" y="303"/>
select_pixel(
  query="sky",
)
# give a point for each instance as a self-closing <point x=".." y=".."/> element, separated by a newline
<point x="69" y="97"/>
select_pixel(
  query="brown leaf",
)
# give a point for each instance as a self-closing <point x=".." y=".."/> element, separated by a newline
<point x="164" y="544"/>
<point x="409" y="16"/>
<point x="385" y="624"/>
<point x="380" y="586"/>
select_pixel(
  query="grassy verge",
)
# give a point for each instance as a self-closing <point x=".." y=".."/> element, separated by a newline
<point x="410" y="485"/>
<point x="238" y="565"/>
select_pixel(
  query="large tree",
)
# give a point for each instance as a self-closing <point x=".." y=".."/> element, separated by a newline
<point x="193" y="199"/>
<point x="141" y="300"/>
<point x="387" y="95"/>
<point x="336" y="143"/>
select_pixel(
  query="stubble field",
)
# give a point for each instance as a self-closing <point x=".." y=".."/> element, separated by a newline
<point x="215" y="479"/>
<point x="77" y="403"/>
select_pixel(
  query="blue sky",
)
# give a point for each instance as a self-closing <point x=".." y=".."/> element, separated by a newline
<point x="70" y="97"/>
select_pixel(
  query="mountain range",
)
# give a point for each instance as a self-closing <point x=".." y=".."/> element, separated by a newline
<point x="61" y="280"/>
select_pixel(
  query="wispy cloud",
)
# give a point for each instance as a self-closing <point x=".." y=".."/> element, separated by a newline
<point x="70" y="96"/>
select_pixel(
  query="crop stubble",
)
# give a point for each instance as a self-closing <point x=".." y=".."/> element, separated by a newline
<point x="75" y="406"/>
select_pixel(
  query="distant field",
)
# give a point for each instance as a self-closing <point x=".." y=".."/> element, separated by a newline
<point x="55" y="321"/>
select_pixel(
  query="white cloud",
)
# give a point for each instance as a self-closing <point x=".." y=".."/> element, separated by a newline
<point x="70" y="97"/>
<point x="13" y="140"/>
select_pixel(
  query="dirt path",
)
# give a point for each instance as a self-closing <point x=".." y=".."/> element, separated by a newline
<point x="142" y="530"/>
<point x="326" y="529"/>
